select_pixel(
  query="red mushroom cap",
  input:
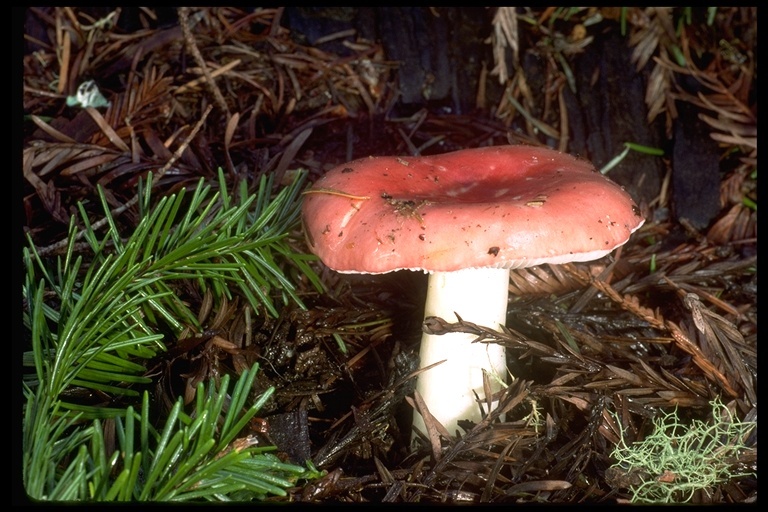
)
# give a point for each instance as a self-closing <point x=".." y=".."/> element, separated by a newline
<point x="501" y="206"/>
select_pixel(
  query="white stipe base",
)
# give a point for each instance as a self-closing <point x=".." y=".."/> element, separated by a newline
<point x="478" y="296"/>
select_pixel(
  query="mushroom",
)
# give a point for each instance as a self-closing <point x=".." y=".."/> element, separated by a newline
<point x="467" y="218"/>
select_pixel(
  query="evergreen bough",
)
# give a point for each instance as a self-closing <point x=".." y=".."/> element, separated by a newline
<point x="92" y="323"/>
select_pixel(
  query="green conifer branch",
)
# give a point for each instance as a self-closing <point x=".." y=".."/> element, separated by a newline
<point x="94" y="318"/>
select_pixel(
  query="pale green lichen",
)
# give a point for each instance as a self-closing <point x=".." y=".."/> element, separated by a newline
<point x="678" y="459"/>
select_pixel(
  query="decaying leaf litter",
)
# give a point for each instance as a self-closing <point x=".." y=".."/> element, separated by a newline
<point x="669" y="322"/>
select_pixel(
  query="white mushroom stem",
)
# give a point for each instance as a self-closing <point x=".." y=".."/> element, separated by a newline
<point x="478" y="296"/>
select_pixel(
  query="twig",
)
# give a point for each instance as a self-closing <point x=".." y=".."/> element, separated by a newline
<point x="189" y="39"/>
<point x="61" y="244"/>
<point x="216" y="72"/>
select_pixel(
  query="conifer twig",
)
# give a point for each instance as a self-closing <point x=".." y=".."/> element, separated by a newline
<point x="189" y="39"/>
<point x="61" y="244"/>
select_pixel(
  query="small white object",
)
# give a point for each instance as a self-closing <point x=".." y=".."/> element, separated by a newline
<point x="88" y="95"/>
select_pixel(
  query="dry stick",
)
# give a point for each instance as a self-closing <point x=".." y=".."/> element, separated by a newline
<point x="61" y="244"/>
<point x="189" y="39"/>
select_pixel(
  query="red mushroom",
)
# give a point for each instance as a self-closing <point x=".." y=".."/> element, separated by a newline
<point x="466" y="218"/>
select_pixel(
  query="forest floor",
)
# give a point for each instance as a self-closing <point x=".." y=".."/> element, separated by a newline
<point x="601" y="351"/>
